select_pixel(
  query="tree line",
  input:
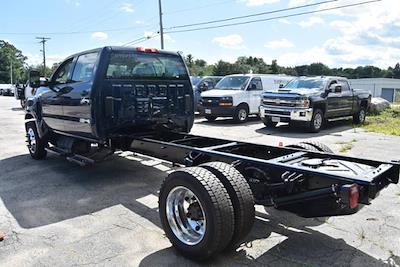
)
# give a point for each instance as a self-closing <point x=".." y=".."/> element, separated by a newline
<point x="199" y="67"/>
<point x="12" y="60"/>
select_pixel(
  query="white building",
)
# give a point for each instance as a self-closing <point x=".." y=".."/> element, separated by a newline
<point x="386" y="88"/>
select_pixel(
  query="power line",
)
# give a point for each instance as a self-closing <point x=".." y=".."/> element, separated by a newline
<point x="252" y="15"/>
<point x="140" y="40"/>
<point x="273" y="18"/>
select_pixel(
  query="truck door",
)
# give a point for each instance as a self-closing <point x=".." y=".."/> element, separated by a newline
<point x="52" y="109"/>
<point x="346" y="99"/>
<point x="254" y="91"/>
<point x="77" y="100"/>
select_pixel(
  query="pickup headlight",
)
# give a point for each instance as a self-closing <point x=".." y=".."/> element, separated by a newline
<point x="226" y="101"/>
<point x="303" y="103"/>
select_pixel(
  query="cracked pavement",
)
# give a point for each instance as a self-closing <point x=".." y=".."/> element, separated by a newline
<point x="55" y="213"/>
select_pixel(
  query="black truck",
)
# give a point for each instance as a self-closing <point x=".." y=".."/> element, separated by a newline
<point x="141" y="100"/>
<point x="311" y="101"/>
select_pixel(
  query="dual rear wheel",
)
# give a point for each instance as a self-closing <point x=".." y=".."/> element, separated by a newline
<point x="206" y="209"/>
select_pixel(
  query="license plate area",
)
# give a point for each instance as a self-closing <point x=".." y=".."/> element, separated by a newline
<point x="276" y="119"/>
<point x="207" y="111"/>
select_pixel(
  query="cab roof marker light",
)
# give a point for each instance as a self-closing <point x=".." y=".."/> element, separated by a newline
<point x="147" y="50"/>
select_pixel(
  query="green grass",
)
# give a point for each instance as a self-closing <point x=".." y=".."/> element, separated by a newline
<point x="387" y="122"/>
<point x="346" y="146"/>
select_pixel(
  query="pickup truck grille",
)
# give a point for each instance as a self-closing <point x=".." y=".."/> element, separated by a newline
<point x="210" y="101"/>
<point x="280" y="102"/>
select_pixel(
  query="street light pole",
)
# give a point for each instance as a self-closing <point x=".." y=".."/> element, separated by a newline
<point x="161" y="24"/>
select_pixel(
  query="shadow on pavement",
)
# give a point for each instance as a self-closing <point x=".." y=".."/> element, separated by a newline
<point x="38" y="193"/>
<point x="228" y="122"/>
<point x="284" y="130"/>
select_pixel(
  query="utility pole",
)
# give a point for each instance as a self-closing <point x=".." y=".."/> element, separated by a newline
<point x="43" y="41"/>
<point x="161" y="24"/>
<point x="11" y="73"/>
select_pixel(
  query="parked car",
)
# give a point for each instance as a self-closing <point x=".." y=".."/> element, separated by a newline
<point x="202" y="84"/>
<point x="22" y="93"/>
<point x="238" y="95"/>
<point x="7" y="89"/>
<point x="313" y="100"/>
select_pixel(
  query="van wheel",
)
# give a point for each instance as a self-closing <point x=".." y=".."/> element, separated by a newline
<point x="241" y="114"/>
<point x="317" y="121"/>
<point x="36" y="145"/>
<point x="241" y="195"/>
<point x="196" y="213"/>
<point x="210" y="118"/>
<point x="359" y="117"/>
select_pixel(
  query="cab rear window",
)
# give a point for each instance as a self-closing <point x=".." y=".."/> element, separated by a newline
<point x="134" y="65"/>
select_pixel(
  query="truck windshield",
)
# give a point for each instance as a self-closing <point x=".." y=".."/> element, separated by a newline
<point x="306" y="84"/>
<point x="125" y="65"/>
<point x="232" y="83"/>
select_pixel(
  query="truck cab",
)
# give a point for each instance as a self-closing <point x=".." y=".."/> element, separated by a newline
<point x="202" y="84"/>
<point x="312" y="101"/>
<point x="103" y="93"/>
<point x="238" y="95"/>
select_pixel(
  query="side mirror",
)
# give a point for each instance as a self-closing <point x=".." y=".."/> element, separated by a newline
<point x="335" y="88"/>
<point x="203" y="87"/>
<point x="34" y="78"/>
<point x="281" y="85"/>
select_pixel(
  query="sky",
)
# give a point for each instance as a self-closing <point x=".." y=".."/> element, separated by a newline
<point x="349" y="37"/>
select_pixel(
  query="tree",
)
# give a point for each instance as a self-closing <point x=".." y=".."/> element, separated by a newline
<point x="274" y="67"/>
<point x="396" y="71"/>
<point x="10" y="55"/>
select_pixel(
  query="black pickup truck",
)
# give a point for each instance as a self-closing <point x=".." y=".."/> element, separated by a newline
<point x="312" y="101"/>
<point x="141" y="100"/>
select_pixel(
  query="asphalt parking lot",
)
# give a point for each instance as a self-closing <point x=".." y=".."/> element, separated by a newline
<point x="55" y="213"/>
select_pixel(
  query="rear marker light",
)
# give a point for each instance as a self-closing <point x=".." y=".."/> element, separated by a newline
<point x="354" y="195"/>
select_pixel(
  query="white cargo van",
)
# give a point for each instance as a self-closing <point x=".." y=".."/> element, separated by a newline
<point x="238" y="95"/>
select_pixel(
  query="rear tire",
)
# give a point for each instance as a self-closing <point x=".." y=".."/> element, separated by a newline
<point x="210" y="118"/>
<point x="36" y="145"/>
<point x="211" y="202"/>
<point x="241" y="195"/>
<point x="319" y="146"/>
<point x="359" y="117"/>
<point x="241" y="114"/>
<point x="303" y="146"/>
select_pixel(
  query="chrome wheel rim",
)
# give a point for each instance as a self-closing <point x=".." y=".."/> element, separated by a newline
<point x="31" y="140"/>
<point x="185" y="215"/>
<point x="361" y="116"/>
<point x="317" y="121"/>
<point x="242" y="114"/>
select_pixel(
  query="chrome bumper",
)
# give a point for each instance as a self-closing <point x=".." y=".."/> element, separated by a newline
<point x="294" y="114"/>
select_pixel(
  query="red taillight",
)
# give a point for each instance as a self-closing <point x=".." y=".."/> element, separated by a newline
<point x="354" y="195"/>
<point x="147" y="50"/>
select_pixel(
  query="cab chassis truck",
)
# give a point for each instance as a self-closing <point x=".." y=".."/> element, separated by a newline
<point x="206" y="206"/>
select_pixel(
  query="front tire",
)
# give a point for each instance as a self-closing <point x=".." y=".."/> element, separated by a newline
<point x="210" y="118"/>
<point x="241" y="114"/>
<point x="359" y="117"/>
<point x="36" y="145"/>
<point x="196" y="213"/>
<point x="317" y="121"/>
<point x="269" y="123"/>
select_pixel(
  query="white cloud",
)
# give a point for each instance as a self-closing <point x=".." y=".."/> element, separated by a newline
<point x="311" y="21"/>
<point x="37" y="59"/>
<point x="279" y="44"/>
<point x="233" y="41"/>
<point x="156" y="36"/>
<point x="285" y="21"/>
<point x="75" y="3"/>
<point x="101" y="36"/>
<point x="252" y="3"/>
<point x="293" y="3"/>
<point x="127" y="7"/>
